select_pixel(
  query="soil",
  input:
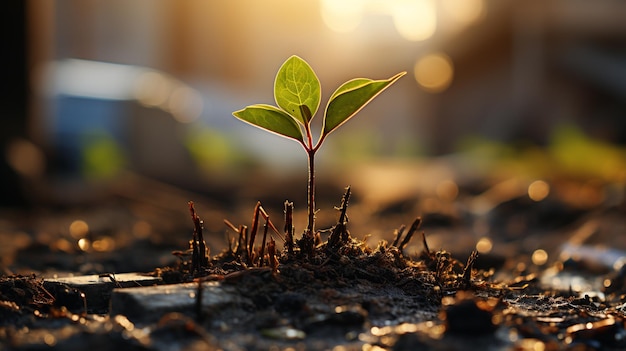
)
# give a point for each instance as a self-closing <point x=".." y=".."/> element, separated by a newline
<point x="488" y="268"/>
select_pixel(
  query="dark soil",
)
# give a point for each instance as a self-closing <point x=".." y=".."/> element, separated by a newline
<point x="335" y="291"/>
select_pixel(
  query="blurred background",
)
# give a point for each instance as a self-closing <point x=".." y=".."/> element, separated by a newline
<point x="114" y="96"/>
<point x="103" y="86"/>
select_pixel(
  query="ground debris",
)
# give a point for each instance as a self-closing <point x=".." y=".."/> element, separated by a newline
<point x="272" y="289"/>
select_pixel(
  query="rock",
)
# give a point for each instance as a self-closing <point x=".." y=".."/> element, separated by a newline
<point x="93" y="292"/>
<point x="218" y="303"/>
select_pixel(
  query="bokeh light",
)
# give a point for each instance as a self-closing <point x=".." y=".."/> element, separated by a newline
<point x="539" y="257"/>
<point x="25" y="157"/>
<point x="434" y="72"/>
<point x="342" y="16"/>
<point x="79" y="229"/>
<point x="415" y="20"/>
<point x="185" y="104"/>
<point x="104" y="244"/>
<point x="152" y="89"/>
<point x="538" y="190"/>
<point x="84" y="244"/>
<point x="103" y="156"/>
<point x="484" y="245"/>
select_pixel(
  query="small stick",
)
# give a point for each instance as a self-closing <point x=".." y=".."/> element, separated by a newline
<point x="339" y="233"/>
<point x="253" y="230"/>
<point x="241" y="241"/>
<point x="199" y="314"/>
<point x="202" y="248"/>
<point x="244" y="235"/>
<point x="416" y="224"/>
<point x="467" y="271"/>
<point x="398" y="235"/>
<point x="343" y="218"/>
<point x="195" y="256"/>
<point x="271" y="225"/>
<point x="203" y="259"/>
<point x="262" y="252"/>
<point x="271" y="251"/>
<point x="289" y="226"/>
<point x="426" y="248"/>
<point x="231" y="226"/>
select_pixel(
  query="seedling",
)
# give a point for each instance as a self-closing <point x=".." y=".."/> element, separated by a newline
<point x="297" y="93"/>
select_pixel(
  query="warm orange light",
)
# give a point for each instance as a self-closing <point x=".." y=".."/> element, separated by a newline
<point x="105" y="244"/>
<point x="538" y="190"/>
<point x="434" y="72"/>
<point x="84" y="244"/>
<point x="540" y="257"/>
<point x="78" y="229"/>
<point x="484" y="245"/>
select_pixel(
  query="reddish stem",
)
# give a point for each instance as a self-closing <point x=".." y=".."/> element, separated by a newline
<point x="311" y="202"/>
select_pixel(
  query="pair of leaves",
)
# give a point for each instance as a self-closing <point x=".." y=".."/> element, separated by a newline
<point x="297" y="93"/>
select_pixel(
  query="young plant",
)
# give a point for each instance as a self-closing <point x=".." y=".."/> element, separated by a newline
<point x="297" y="93"/>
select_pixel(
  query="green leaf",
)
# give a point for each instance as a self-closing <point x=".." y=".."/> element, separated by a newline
<point x="350" y="98"/>
<point x="272" y="119"/>
<point x="297" y="85"/>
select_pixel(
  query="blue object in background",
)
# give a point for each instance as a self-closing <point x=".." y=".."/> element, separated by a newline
<point x="76" y="120"/>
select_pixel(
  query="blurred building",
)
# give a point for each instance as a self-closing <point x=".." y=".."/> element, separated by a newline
<point x="533" y="67"/>
<point x="150" y="86"/>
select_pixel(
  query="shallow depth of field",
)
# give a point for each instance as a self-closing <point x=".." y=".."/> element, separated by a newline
<point x="506" y="138"/>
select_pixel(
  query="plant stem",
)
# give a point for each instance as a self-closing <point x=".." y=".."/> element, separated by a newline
<point x="311" y="202"/>
<point x="310" y="150"/>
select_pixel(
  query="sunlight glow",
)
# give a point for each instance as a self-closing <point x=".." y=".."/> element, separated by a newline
<point x="415" y="20"/>
<point x="342" y="16"/>
<point x="464" y="12"/>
